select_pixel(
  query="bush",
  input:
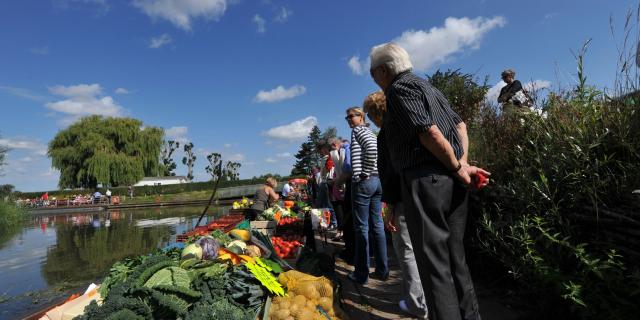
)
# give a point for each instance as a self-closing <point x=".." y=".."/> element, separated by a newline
<point x="11" y="219"/>
<point x="559" y="211"/>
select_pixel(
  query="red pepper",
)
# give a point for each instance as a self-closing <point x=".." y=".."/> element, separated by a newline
<point x="479" y="180"/>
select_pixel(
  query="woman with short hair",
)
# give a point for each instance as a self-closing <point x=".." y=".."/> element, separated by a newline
<point x="366" y="193"/>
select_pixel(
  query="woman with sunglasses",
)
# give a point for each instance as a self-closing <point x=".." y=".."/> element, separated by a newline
<point x="367" y="194"/>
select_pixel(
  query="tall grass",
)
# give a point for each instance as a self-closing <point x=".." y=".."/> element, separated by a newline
<point x="11" y="219"/>
<point x="561" y="216"/>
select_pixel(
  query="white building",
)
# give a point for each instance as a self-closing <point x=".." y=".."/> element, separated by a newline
<point x="160" y="181"/>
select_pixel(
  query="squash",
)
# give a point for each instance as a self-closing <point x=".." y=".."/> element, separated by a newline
<point x="240" y="234"/>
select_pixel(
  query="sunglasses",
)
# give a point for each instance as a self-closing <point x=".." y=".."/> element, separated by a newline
<point x="351" y="116"/>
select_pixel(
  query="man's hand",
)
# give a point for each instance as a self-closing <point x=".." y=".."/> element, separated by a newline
<point x="466" y="172"/>
<point x="390" y="218"/>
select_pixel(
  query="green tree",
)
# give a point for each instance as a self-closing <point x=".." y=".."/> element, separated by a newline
<point x="307" y="155"/>
<point x="214" y="159"/>
<point x="463" y="92"/>
<point x="110" y="151"/>
<point x="3" y="155"/>
<point x="229" y="171"/>
<point x="6" y="190"/>
<point x="168" y="165"/>
<point x="189" y="159"/>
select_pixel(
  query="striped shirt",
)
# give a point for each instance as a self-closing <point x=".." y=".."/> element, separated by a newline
<point x="364" y="152"/>
<point x="413" y="106"/>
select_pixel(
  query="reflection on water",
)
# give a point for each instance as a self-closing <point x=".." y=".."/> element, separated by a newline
<point x="53" y="253"/>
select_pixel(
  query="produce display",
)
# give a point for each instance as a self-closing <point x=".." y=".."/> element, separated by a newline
<point x="285" y="247"/>
<point x="307" y="297"/>
<point x="216" y="275"/>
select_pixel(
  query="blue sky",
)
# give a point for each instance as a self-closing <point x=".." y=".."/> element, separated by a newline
<point x="248" y="79"/>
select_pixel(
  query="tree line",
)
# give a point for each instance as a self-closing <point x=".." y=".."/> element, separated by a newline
<point x="121" y="151"/>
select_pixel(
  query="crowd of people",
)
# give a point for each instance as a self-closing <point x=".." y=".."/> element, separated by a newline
<point x="77" y="199"/>
<point x="417" y="166"/>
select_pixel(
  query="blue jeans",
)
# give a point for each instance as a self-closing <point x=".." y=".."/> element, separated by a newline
<point x="366" y="210"/>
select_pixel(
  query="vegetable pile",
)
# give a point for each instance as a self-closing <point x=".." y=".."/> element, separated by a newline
<point x="308" y="298"/>
<point x="216" y="275"/>
<point x="285" y="248"/>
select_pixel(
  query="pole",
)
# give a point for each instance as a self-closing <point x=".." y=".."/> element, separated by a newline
<point x="215" y="189"/>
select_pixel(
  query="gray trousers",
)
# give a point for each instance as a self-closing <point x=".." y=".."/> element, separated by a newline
<point x="411" y="285"/>
<point x="436" y="216"/>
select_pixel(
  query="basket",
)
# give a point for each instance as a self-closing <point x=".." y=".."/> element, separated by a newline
<point x="267" y="228"/>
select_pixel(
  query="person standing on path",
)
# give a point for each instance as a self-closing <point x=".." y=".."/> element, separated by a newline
<point x="428" y="145"/>
<point x="367" y="193"/>
<point x="413" y="302"/>
<point x="108" y="194"/>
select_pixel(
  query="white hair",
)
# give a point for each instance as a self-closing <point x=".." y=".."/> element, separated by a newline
<point x="391" y="55"/>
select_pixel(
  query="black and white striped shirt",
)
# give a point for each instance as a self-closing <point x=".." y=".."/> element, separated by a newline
<point x="364" y="152"/>
<point x="413" y="106"/>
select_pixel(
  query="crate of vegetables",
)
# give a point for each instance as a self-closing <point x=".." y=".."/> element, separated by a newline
<point x="287" y="247"/>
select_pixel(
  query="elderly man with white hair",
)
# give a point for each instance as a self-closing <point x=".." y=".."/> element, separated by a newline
<point x="428" y="145"/>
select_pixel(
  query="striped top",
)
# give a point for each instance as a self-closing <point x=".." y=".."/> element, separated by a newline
<point x="413" y="106"/>
<point x="364" y="152"/>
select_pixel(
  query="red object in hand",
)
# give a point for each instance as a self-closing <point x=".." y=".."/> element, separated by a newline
<point x="479" y="180"/>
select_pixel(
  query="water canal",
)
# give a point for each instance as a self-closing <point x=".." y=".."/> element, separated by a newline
<point x="52" y="256"/>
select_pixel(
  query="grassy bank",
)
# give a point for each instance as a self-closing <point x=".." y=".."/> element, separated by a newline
<point x="10" y="221"/>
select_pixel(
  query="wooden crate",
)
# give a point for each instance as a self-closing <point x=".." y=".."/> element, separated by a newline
<point x="268" y="228"/>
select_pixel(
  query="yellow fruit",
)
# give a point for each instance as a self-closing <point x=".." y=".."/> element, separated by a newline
<point x="243" y="235"/>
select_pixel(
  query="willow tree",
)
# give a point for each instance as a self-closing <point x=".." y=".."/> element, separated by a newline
<point x="108" y="151"/>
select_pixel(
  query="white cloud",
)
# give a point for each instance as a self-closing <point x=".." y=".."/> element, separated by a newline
<point x="260" y="23"/>
<point x="23" y="93"/>
<point x="357" y="66"/>
<point x="284" y="155"/>
<point x="296" y="130"/>
<point x="41" y="51"/>
<point x="227" y="145"/>
<point x="182" y="12"/>
<point x="80" y="90"/>
<point x="537" y="85"/>
<point x="439" y="44"/>
<point x="159" y="41"/>
<point x="283" y="14"/>
<point x="436" y="45"/>
<point x="280" y="93"/>
<point x="271" y="160"/>
<point x="494" y="92"/>
<point x="122" y="91"/>
<point x="34" y="146"/>
<point x="83" y="100"/>
<point x="178" y="134"/>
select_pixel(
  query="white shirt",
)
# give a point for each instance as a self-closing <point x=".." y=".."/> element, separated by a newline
<point x="108" y="193"/>
<point x="286" y="189"/>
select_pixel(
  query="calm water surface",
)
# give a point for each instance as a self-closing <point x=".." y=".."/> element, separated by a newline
<point x="51" y="256"/>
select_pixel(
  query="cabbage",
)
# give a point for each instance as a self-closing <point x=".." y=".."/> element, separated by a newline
<point x="237" y="246"/>
<point x="192" y="251"/>
<point x="209" y="247"/>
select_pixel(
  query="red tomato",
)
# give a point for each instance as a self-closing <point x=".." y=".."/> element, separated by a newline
<point x="479" y="180"/>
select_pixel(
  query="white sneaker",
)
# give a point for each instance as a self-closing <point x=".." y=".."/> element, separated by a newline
<point x="403" y="306"/>
<point x="405" y="309"/>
